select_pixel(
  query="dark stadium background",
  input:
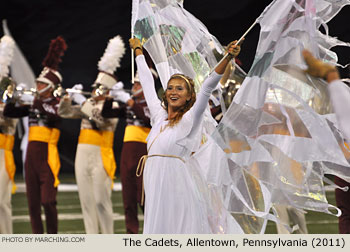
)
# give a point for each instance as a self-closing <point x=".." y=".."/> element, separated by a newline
<point x="88" y="25"/>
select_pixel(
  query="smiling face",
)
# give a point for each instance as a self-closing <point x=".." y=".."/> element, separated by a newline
<point x="177" y="94"/>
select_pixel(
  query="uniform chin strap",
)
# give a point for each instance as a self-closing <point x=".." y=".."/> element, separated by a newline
<point x="137" y="92"/>
<point x="46" y="88"/>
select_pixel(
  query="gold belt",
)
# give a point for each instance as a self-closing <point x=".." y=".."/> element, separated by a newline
<point x="141" y="166"/>
<point x="6" y="143"/>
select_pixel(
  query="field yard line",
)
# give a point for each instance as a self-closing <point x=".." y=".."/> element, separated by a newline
<point x="320" y="222"/>
<point x="117" y="187"/>
<point x="62" y="207"/>
<point x="21" y="187"/>
<point x="25" y="218"/>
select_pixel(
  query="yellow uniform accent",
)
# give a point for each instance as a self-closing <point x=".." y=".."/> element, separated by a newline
<point x="136" y="134"/>
<point x="104" y="139"/>
<point x="6" y="143"/>
<point x="50" y="136"/>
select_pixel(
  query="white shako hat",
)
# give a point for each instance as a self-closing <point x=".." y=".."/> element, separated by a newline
<point x="6" y="54"/>
<point x="109" y="62"/>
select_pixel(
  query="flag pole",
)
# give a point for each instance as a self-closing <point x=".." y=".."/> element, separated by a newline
<point x="249" y="29"/>
<point x="134" y="13"/>
<point x="239" y="41"/>
<point x="132" y="63"/>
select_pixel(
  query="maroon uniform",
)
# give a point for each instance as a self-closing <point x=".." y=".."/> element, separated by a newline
<point x="38" y="175"/>
<point x="134" y="147"/>
<point x="342" y="199"/>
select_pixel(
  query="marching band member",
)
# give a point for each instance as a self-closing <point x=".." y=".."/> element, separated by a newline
<point x="94" y="162"/>
<point x="42" y="161"/>
<point x="138" y="126"/>
<point x="7" y="132"/>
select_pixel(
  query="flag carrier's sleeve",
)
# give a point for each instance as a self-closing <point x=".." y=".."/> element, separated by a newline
<point x="147" y="83"/>
<point x="203" y="96"/>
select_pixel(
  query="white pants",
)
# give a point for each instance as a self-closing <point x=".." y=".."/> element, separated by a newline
<point x="5" y="197"/>
<point x="289" y="214"/>
<point x="94" y="186"/>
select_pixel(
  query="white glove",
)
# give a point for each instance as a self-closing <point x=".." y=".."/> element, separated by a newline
<point x="26" y="98"/>
<point x="120" y="95"/>
<point x="22" y="86"/>
<point x="78" y="87"/>
<point x="76" y="97"/>
<point x="119" y="85"/>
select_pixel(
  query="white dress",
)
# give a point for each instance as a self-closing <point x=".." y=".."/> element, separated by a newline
<point x="173" y="201"/>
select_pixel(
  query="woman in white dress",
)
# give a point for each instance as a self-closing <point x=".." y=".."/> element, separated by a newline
<point x="173" y="202"/>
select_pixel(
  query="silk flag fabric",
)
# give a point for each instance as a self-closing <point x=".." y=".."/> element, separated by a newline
<point x="278" y="138"/>
<point x="176" y="41"/>
<point x="279" y="132"/>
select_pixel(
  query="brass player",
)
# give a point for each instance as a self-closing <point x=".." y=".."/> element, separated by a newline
<point x="7" y="131"/>
<point x="42" y="161"/>
<point x="138" y="126"/>
<point x="94" y="162"/>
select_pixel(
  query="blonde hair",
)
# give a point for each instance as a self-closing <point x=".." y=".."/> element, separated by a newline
<point x="190" y="88"/>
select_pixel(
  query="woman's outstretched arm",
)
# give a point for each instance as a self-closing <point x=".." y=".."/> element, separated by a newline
<point x="146" y="79"/>
<point x="212" y="81"/>
<point x="338" y="90"/>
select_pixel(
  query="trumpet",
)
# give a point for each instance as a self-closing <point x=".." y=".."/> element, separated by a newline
<point x="103" y="90"/>
<point x="100" y="90"/>
<point x="60" y="91"/>
<point x="11" y="92"/>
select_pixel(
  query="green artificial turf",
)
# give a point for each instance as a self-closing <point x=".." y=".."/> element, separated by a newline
<point x="70" y="215"/>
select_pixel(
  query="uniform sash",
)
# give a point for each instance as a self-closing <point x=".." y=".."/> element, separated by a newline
<point x="104" y="139"/>
<point x="6" y="143"/>
<point x="50" y="136"/>
<point x="136" y="134"/>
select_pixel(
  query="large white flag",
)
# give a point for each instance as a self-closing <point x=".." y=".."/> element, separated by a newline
<point x="21" y="72"/>
<point x="176" y="41"/>
<point x="179" y="43"/>
<point x="278" y="134"/>
<point x="279" y="131"/>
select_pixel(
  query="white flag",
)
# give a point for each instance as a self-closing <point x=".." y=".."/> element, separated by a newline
<point x="277" y="131"/>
